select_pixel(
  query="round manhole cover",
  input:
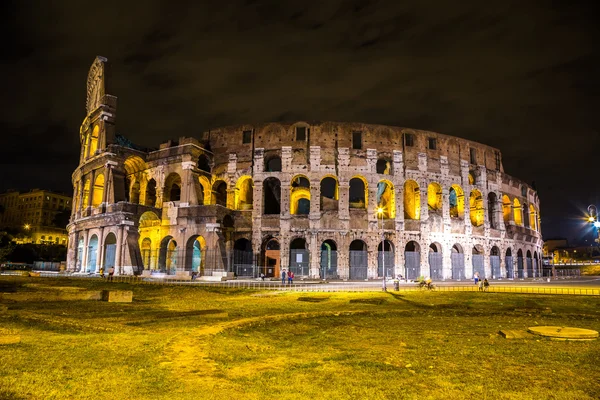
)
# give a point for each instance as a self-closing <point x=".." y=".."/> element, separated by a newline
<point x="564" y="332"/>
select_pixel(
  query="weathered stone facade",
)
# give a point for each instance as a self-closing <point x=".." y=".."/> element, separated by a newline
<point x="316" y="198"/>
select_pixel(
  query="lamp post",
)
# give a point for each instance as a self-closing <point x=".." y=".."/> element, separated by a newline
<point x="380" y="212"/>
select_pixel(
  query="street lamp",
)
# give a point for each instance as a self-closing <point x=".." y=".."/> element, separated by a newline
<point x="380" y="212"/>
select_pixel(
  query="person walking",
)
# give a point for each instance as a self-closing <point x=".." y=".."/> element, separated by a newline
<point x="486" y="285"/>
<point x="102" y="272"/>
<point x="290" y="277"/>
<point x="111" y="272"/>
<point x="283" y="275"/>
<point x="481" y="286"/>
<point x="476" y="277"/>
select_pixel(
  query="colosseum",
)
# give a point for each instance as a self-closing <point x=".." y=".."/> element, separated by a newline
<point x="326" y="200"/>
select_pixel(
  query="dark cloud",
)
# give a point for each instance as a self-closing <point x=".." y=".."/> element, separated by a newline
<point x="520" y="76"/>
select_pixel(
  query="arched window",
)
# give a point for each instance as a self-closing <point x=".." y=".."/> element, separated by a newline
<point x="300" y="196"/>
<point x="476" y="208"/>
<point x="220" y="193"/>
<point x="98" y="191"/>
<point x="434" y="196"/>
<point x="506" y="208"/>
<point x="383" y="167"/>
<point x="271" y="196"/>
<point x="172" y="188"/>
<point x="244" y="193"/>
<point x="86" y="193"/>
<point x="386" y="201"/>
<point x="151" y="193"/>
<point x="273" y="164"/>
<point x="532" y="218"/>
<point x="93" y="140"/>
<point x="492" y="200"/>
<point x="456" y="200"/>
<point x="358" y="193"/>
<point x="518" y="212"/>
<point x="329" y="194"/>
<point x="204" y="163"/>
<point x="412" y="200"/>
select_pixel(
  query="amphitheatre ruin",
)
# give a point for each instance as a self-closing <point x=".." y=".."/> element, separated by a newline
<point x="326" y="200"/>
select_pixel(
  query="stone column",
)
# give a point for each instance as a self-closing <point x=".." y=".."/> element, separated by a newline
<point x="315" y="254"/>
<point x="344" y="200"/>
<point x="119" y="251"/>
<point x="101" y="249"/>
<point x="188" y="189"/>
<point x="86" y="237"/>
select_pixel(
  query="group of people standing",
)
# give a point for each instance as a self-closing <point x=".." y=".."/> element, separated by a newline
<point x="111" y="272"/>
<point x="289" y="275"/>
<point x="483" y="285"/>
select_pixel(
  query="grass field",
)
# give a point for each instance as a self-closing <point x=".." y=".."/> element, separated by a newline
<point x="194" y="343"/>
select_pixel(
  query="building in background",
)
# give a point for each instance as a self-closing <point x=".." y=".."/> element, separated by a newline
<point x="335" y="200"/>
<point x="40" y="215"/>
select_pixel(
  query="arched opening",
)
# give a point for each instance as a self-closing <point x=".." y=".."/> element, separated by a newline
<point x="168" y="257"/>
<point x="204" y="191"/>
<point x="172" y="191"/>
<point x="506" y="208"/>
<point x="476" y="208"/>
<point x="508" y="261"/>
<point x="219" y="193"/>
<point x="495" y="262"/>
<point x="471" y="177"/>
<point x="412" y="260"/>
<point x="195" y="255"/>
<point x="386" y="259"/>
<point x="529" y="264"/>
<point x="271" y="258"/>
<point x="520" y="264"/>
<point x="92" y="254"/>
<point x="386" y="200"/>
<point x="456" y="202"/>
<point x="358" y="193"/>
<point x="412" y="200"/>
<point x="146" y="249"/>
<point x="273" y="164"/>
<point x="329" y="194"/>
<point x="532" y="217"/>
<point x="149" y="229"/>
<point x="536" y="265"/>
<point x="86" y="194"/>
<point x="436" y="264"/>
<point x="492" y="201"/>
<point x="204" y="163"/>
<point x="98" y="192"/>
<point x="457" y="258"/>
<point x="434" y="197"/>
<point x="300" y="195"/>
<point x="383" y="167"/>
<point x="151" y="193"/>
<point x="134" y="193"/>
<point x="525" y="215"/>
<point x="518" y="212"/>
<point x="271" y="196"/>
<point x="79" y="264"/>
<point x="358" y="260"/>
<point x="110" y="251"/>
<point x="134" y="168"/>
<point x="243" y="258"/>
<point x="477" y="260"/>
<point x="299" y="257"/>
<point x="244" y="189"/>
<point x="228" y="221"/>
<point x="328" y="264"/>
<point x="93" y="144"/>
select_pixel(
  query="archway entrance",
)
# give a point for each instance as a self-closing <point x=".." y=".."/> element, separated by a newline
<point x="299" y="257"/>
<point x="536" y="265"/>
<point x="271" y="258"/>
<point x="328" y="269"/>
<point x="529" y="262"/>
<point x="92" y="254"/>
<point x="168" y="256"/>
<point x="435" y="262"/>
<point x="495" y="262"/>
<point x="457" y="258"/>
<point x="412" y="260"/>
<point x="243" y="258"/>
<point x="110" y="251"/>
<point x="358" y="260"/>
<point x="508" y="260"/>
<point x="195" y="255"/>
<point x="520" y="268"/>
<point x="385" y="256"/>
<point x="477" y="259"/>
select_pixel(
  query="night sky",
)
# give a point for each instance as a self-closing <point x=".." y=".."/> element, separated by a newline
<point x="522" y="76"/>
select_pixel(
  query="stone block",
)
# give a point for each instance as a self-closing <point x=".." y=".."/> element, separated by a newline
<point x="117" y="296"/>
<point x="514" y="334"/>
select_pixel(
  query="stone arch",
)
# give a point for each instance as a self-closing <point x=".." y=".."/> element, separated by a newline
<point x="300" y="195"/>
<point x="536" y="265"/>
<point x="243" y="258"/>
<point x="328" y="265"/>
<point x="384" y="166"/>
<point x="172" y="189"/>
<point x="146" y="250"/>
<point x="477" y="260"/>
<point x="532" y="217"/>
<point x="456" y="200"/>
<point x="495" y="262"/>
<point x="525" y="214"/>
<point x="412" y="200"/>
<point x="219" y="193"/>
<point x="434" y="196"/>
<point x="270" y="257"/>
<point x="151" y="193"/>
<point x="273" y="163"/>
<point x="228" y="221"/>
<point x="359" y="194"/>
<point x="329" y="200"/>
<point x="492" y="205"/>
<point x="110" y="250"/>
<point x="299" y="257"/>
<point x="386" y="199"/>
<point x="506" y="208"/>
<point x="134" y="167"/>
<point x="385" y="258"/>
<point x="195" y="254"/>
<point x="517" y="212"/>
<point x="412" y="260"/>
<point x="244" y="189"/>
<point x="168" y="258"/>
<point x="272" y="197"/>
<point x="93" y="141"/>
<point x="92" y="256"/>
<point x="457" y="258"/>
<point x="508" y="261"/>
<point x="436" y="263"/>
<point x="204" y="193"/>
<point x="358" y="265"/>
<point x="520" y="264"/>
<point x="529" y="265"/>
<point x="86" y="193"/>
<point x="476" y="210"/>
<point x="98" y="191"/>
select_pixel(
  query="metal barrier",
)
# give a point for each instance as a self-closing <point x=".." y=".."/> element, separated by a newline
<point x="324" y="287"/>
